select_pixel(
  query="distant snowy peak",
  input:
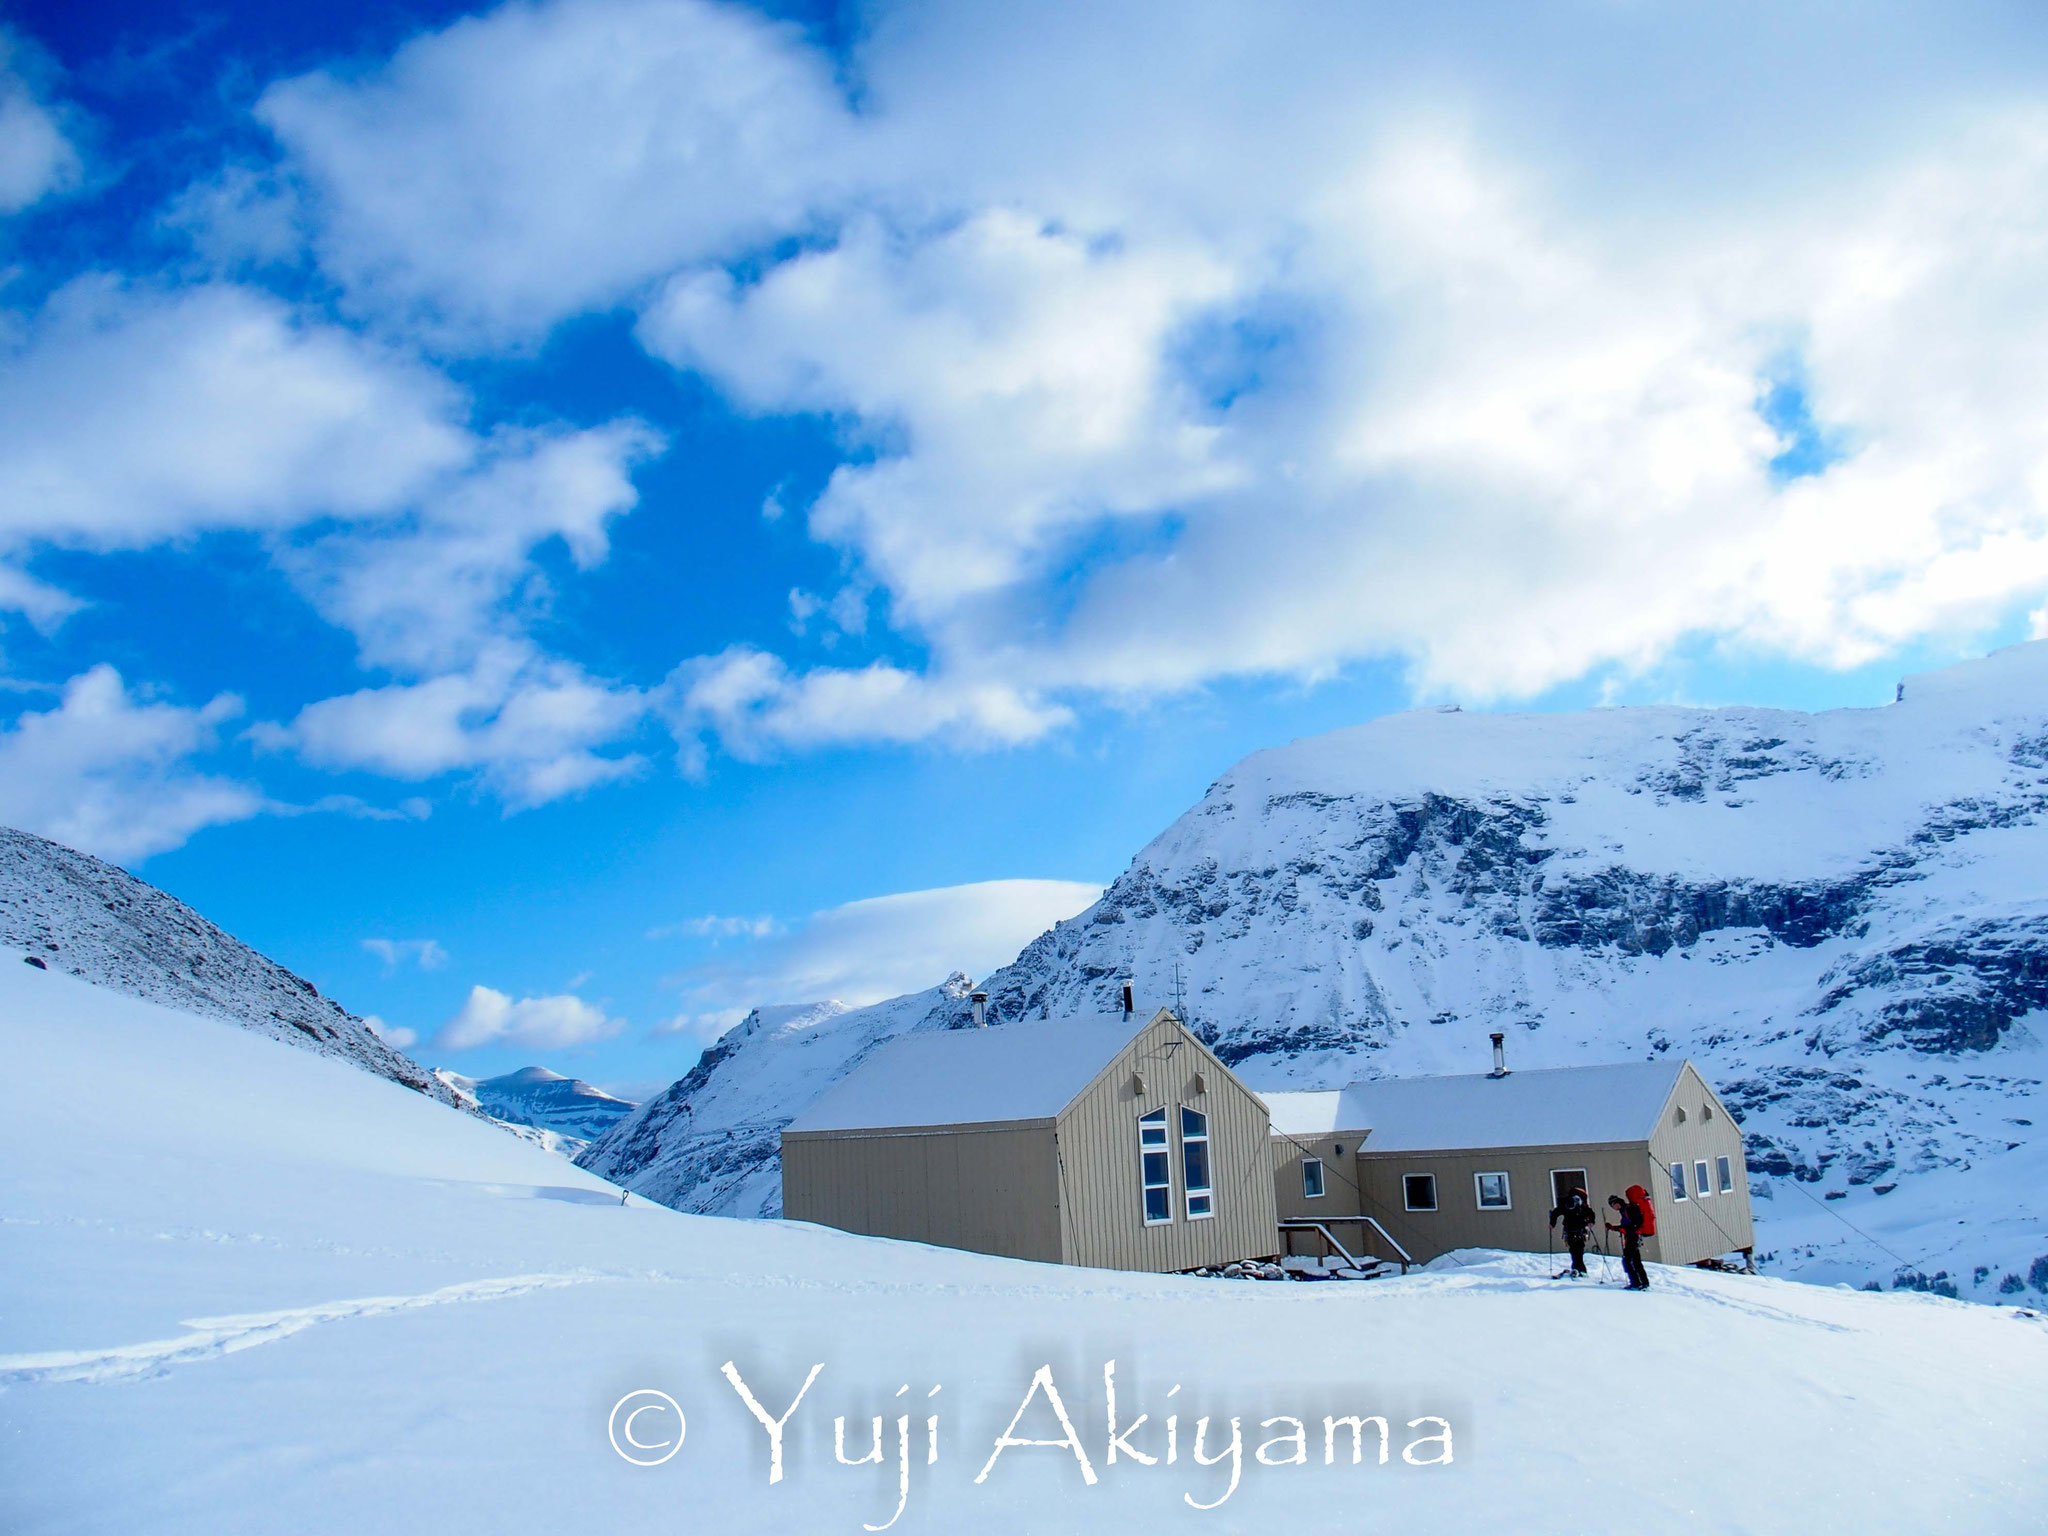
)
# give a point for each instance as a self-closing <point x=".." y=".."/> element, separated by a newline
<point x="79" y="914"/>
<point x="546" y="1100"/>
<point x="712" y="1142"/>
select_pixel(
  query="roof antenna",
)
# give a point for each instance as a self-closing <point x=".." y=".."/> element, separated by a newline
<point x="1180" y="1009"/>
<point x="1130" y="1006"/>
<point x="980" y="1000"/>
<point x="1500" y="1055"/>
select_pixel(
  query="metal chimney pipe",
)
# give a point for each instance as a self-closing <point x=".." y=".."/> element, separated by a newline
<point x="980" y="1010"/>
<point x="1129" y="1006"/>
<point x="1500" y="1055"/>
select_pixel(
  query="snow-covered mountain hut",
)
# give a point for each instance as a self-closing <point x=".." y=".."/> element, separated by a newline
<point x="1479" y="1161"/>
<point x="1096" y="1141"/>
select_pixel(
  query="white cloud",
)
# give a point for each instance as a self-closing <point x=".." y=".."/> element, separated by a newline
<point x="528" y="725"/>
<point x="704" y="1028"/>
<point x="396" y="1036"/>
<point x="37" y="157"/>
<point x="428" y="592"/>
<point x="427" y="954"/>
<point x="714" y="927"/>
<point x="543" y="159"/>
<point x="561" y="1022"/>
<point x="757" y="705"/>
<point x="110" y="773"/>
<point x="133" y="415"/>
<point x="1190" y="342"/>
<point x="881" y="947"/>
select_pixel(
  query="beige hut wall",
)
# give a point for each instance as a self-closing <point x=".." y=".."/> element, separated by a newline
<point x="1102" y="1205"/>
<point x="1696" y="1228"/>
<point x="989" y="1189"/>
<point x="1458" y="1221"/>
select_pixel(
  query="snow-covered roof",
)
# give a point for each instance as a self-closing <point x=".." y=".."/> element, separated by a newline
<point x="1558" y="1106"/>
<point x="1024" y="1071"/>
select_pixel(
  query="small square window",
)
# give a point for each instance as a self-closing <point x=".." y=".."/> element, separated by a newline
<point x="1724" y="1175"/>
<point x="1699" y="1179"/>
<point x="1311" y="1178"/>
<point x="1678" y="1181"/>
<point x="1492" y="1189"/>
<point x="1418" y="1191"/>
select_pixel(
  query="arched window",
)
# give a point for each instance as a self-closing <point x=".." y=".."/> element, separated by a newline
<point x="1194" y="1161"/>
<point x="1154" y="1172"/>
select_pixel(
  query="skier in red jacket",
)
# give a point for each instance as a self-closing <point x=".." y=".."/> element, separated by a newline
<point x="1631" y="1230"/>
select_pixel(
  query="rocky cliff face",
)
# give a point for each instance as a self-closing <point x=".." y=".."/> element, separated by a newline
<point x="75" y="913"/>
<point x="1841" y="917"/>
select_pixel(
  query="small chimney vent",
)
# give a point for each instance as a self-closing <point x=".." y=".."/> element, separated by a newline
<point x="980" y="1000"/>
<point x="1500" y="1055"/>
<point x="1129" y="1005"/>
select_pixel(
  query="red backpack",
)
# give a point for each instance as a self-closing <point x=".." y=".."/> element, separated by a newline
<point x="1640" y="1198"/>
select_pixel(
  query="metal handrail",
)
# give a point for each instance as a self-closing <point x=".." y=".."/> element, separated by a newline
<point x="1303" y="1224"/>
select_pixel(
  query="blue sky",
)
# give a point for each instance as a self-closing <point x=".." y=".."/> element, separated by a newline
<point x="641" y="507"/>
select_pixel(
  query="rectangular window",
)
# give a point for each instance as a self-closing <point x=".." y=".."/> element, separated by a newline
<point x="1492" y="1189"/>
<point x="1678" y="1181"/>
<point x="1311" y="1178"/>
<point x="1563" y="1181"/>
<point x="1699" y="1180"/>
<point x="1153" y="1168"/>
<point x="1724" y="1175"/>
<point x="1194" y="1162"/>
<point x="1418" y="1191"/>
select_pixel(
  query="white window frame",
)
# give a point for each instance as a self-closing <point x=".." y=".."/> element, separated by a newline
<point x="1702" y="1180"/>
<point x="1207" y="1192"/>
<point x="1435" y="1200"/>
<point x="1678" y="1193"/>
<point x="1724" y="1175"/>
<point x="1154" y="1120"/>
<point x="1322" y="1179"/>
<point x="1507" y="1188"/>
<point x="1585" y="1185"/>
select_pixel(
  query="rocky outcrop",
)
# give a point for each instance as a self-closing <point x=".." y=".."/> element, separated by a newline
<point x="79" y="914"/>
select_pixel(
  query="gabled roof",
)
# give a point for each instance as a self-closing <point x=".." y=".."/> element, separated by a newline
<point x="1558" y="1106"/>
<point x="947" y="1077"/>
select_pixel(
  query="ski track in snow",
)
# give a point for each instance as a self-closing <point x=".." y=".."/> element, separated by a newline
<point x="214" y="1337"/>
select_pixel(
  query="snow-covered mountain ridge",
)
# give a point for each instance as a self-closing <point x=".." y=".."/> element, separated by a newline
<point x="1842" y="917"/>
<point x="80" y="914"/>
<point x="713" y="1142"/>
<point x="562" y="1114"/>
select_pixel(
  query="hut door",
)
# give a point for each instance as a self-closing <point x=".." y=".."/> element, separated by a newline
<point x="1564" y="1180"/>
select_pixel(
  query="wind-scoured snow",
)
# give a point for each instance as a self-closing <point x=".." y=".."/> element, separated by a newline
<point x="1841" y="918"/>
<point x="92" y="920"/>
<point x="247" y="1288"/>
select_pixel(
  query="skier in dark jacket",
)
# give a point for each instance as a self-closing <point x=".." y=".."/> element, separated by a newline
<point x="1578" y="1219"/>
<point x="1631" y="1230"/>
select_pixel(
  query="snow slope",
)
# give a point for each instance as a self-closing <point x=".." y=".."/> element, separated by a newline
<point x="569" y="1112"/>
<point x="1840" y="917"/>
<point x="82" y="915"/>
<point x="251" y="1289"/>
